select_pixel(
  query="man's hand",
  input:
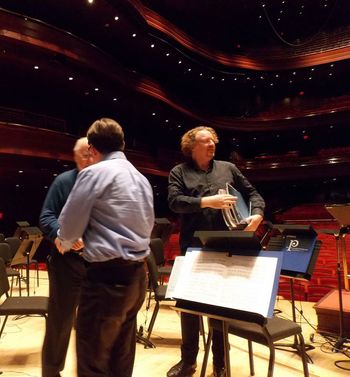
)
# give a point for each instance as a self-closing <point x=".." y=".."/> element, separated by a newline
<point x="78" y="244"/>
<point x="253" y="223"/>
<point x="219" y="201"/>
<point x="59" y="246"/>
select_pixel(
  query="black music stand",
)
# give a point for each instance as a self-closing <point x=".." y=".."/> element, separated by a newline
<point x="341" y="212"/>
<point x="232" y="241"/>
<point x="25" y="254"/>
<point x="300" y="247"/>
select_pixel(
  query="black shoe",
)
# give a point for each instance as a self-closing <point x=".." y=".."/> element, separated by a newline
<point x="219" y="372"/>
<point x="181" y="369"/>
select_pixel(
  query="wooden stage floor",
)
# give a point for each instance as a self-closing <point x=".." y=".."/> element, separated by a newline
<point x="20" y="346"/>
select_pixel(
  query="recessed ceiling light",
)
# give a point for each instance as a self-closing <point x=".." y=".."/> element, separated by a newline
<point x="201" y="74"/>
<point x="166" y="120"/>
<point x="96" y="89"/>
<point x="20" y="171"/>
<point x="116" y="18"/>
<point x="152" y="45"/>
<point x="90" y="1"/>
<point x="70" y="78"/>
<point x="115" y="98"/>
<point x="36" y="67"/>
<point x="167" y="54"/>
<point x="189" y="70"/>
<point x="134" y="35"/>
<point x="179" y="61"/>
<point x="153" y="114"/>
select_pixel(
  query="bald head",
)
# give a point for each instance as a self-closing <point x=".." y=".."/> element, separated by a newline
<point x="82" y="156"/>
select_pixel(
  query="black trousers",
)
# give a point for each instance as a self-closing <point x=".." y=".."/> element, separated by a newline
<point x="190" y="341"/>
<point x="111" y="296"/>
<point x="66" y="273"/>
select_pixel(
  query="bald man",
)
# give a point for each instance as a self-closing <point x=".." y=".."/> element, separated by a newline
<point x="65" y="271"/>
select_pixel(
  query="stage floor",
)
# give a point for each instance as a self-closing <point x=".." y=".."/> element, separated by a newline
<point x="20" y="346"/>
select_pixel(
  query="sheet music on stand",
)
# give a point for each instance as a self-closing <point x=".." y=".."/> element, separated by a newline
<point x="227" y="281"/>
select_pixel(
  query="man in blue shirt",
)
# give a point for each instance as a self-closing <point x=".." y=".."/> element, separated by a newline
<point x="65" y="271"/>
<point x="111" y="208"/>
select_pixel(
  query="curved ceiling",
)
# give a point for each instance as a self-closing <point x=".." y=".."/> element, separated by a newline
<point x="254" y="71"/>
<point x="270" y="77"/>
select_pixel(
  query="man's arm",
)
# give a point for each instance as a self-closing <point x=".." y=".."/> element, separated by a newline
<point x="53" y="204"/>
<point x="181" y="203"/>
<point x="75" y="215"/>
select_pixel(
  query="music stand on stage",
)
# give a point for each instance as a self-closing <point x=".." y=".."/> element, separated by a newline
<point x="341" y="213"/>
<point x="300" y="249"/>
<point x="236" y="241"/>
<point x="25" y="254"/>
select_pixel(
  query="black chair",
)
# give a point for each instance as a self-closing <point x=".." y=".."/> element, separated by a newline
<point x="157" y="249"/>
<point x="5" y="254"/>
<point x="158" y="290"/>
<point x="256" y="328"/>
<point x="34" y="305"/>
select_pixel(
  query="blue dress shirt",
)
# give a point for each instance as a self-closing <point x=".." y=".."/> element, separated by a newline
<point x="111" y="208"/>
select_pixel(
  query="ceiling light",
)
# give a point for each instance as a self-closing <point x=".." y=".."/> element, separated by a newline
<point x="166" y="120"/>
<point x="152" y="45"/>
<point x="189" y="70"/>
<point x="115" y="98"/>
<point x="116" y="18"/>
<point x="70" y="78"/>
<point x="96" y="89"/>
<point x="179" y="61"/>
<point x="167" y="54"/>
<point x="201" y="74"/>
<point x="36" y="67"/>
<point x="90" y="1"/>
<point x="222" y="79"/>
<point x="20" y="171"/>
<point x="134" y="35"/>
<point x="153" y="114"/>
